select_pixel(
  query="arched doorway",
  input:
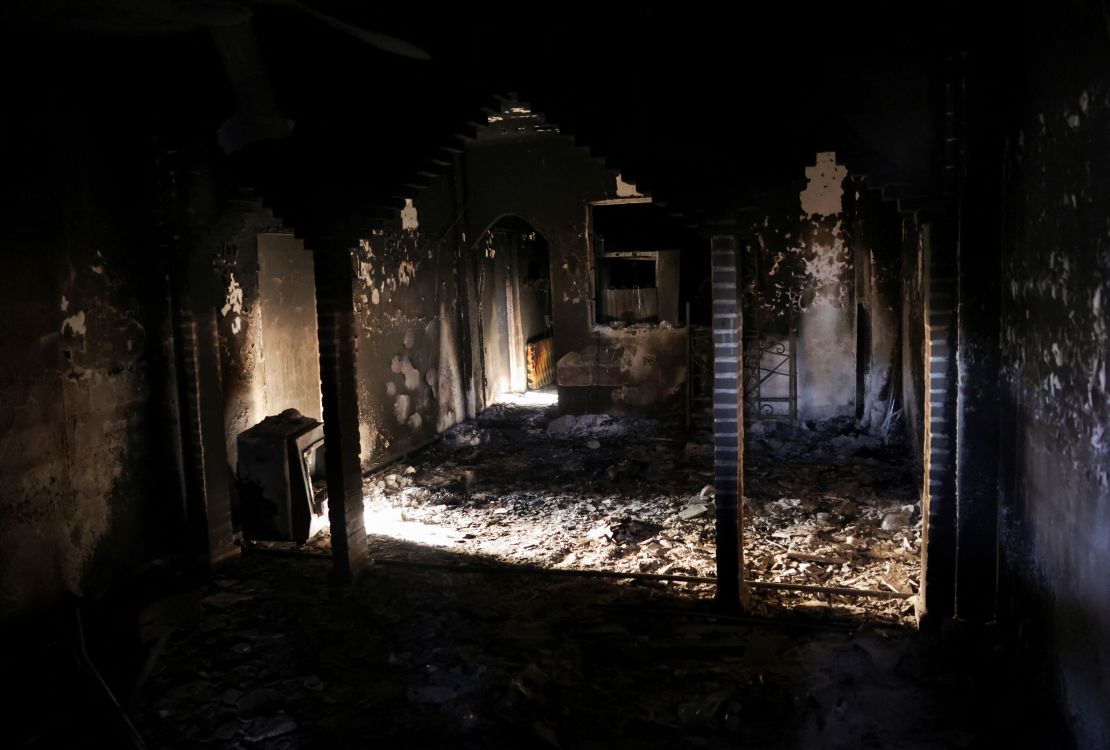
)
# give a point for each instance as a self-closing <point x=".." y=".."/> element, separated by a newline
<point x="513" y="280"/>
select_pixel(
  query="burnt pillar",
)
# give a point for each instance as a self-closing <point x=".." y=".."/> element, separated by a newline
<point x="335" y="316"/>
<point x="937" y="592"/>
<point x="979" y="258"/>
<point x="728" y="423"/>
<point x="207" y="481"/>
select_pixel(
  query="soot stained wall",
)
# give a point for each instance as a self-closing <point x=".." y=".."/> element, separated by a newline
<point x="1055" y="292"/>
<point x="550" y="183"/>
<point x="915" y="237"/>
<point x="410" y="350"/>
<point x="85" y="345"/>
<point x="269" y="352"/>
<point x="827" y="252"/>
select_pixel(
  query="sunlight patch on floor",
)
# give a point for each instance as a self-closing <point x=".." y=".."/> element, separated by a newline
<point x="392" y="523"/>
<point x="542" y="397"/>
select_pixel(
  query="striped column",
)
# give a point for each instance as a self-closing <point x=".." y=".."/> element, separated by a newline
<point x="937" y="592"/>
<point x="728" y="423"/>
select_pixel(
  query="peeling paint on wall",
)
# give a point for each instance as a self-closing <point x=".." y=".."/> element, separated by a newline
<point x="824" y="194"/>
<point x="627" y="189"/>
<point x="75" y="324"/>
<point x="827" y="269"/>
<point x="233" y="304"/>
<point x="1054" y="336"/>
<point x="402" y="407"/>
<point x="72" y="433"/>
<point x="800" y="274"/>
<point x="403" y="365"/>
<point x="409" y="219"/>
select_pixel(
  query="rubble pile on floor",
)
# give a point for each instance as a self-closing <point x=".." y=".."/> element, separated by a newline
<point x="416" y="658"/>
<point x="463" y="636"/>
<point x="828" y="506"/>
<point x="624" y="494"/>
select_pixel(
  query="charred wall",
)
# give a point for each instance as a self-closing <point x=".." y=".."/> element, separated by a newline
<point x="410" y="345"/>
<point x="825" y="261"/>
<point x="915" y="238"/>
<point x="264" y="294"/>
<point x="1055" y="290"/>
<point x="230" y="248"/>
<point x="88" y="482"/>
<point x="550" y="183"/>
<point x="876" y="246"/>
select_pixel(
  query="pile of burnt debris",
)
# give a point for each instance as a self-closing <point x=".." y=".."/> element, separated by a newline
<point x="831" y="506"/>
<point x="446" y="656"/>
<point x="829" y="513"/>
<point x="476" y="627"/>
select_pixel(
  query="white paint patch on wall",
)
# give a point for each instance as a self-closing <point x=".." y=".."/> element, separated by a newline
<point x="827" y="273"/>
<point x="627" y="189"/>
<point x="409" y="219"/>
<point x="233" y="304"/>
<point x="405" y="272"/>
<point x="366" y="272"/>
<point x="404" y="367"/>
<point x="824" y="195"/>
<point x="402" y="408"/>
<point x="75" y="324"/>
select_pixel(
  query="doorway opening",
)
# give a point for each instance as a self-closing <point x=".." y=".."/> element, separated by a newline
<point x="515" y="322"/>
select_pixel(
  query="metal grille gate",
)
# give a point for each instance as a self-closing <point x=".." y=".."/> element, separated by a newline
<point x="770" y="351"/>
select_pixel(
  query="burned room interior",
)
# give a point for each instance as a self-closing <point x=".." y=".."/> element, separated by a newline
<point x="450" y="377"/>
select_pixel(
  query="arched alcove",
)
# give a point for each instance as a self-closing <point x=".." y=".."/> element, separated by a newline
<point x="512" y="273"/>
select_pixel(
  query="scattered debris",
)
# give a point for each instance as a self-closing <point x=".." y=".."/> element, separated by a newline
<point x="825" y="506"/>
<point x="696" y="510"/>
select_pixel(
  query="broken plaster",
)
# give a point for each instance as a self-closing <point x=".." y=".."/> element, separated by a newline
<point x="627" y="189"/>
<point x="75" y="323"/>
<point x="824" y="194"/>
<point x="409" y="218"/>
<point x="233" y="303"/>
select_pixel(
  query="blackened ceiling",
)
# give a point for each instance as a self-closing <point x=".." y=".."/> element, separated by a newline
<point x="708" y="108"/>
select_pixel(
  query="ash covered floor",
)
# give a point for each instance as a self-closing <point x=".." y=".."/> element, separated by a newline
<point x="435" y="658"/>
<point x="454" y="639"/>
<point x="826" y="507"/>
